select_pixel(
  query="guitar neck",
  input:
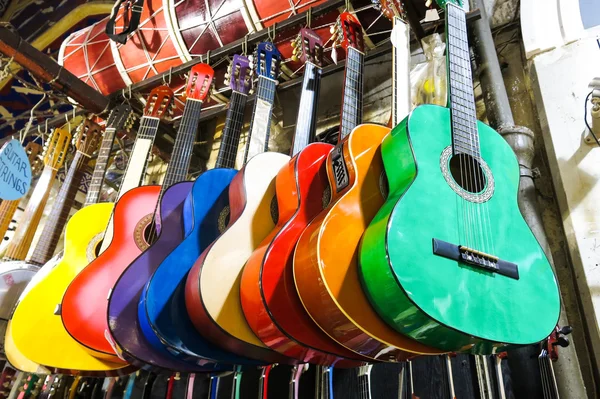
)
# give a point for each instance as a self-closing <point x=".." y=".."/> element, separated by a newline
<point x="352" y="102"/>
<point x="59" y="214"/>
<point x="230" y="138"/>
<point x="401" y="102"/>
<point x="465" y="138"/>
<point x="7" y="212"/>
<point x="260" y="127"/>
<point x="138" y="161"/>
<point x="307" y="111"/>
<point x="93" y="194"/>
<point x="19" y="246"/>
<point x="184" y="142"/>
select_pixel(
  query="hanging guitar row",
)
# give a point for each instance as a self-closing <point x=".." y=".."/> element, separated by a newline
<point x="397" y="242"/>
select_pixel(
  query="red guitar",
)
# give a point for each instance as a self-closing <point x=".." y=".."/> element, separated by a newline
<point x="84" y="306"/>
<point x="268" y="294"/>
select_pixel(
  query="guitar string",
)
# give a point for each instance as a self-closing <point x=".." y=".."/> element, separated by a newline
<point x="14" y="252"/>
<point x="266" y="94"/>
<point x="230" y="137"/>
<point x="182" y="148"/>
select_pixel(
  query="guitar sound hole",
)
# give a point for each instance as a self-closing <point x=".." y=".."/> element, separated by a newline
<point x="468" y="173"/>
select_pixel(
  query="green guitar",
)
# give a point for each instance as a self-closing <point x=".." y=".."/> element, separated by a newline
<point x="449" y="260"/>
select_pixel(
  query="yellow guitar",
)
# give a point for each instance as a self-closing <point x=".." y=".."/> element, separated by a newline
<point x="38" y="309"/>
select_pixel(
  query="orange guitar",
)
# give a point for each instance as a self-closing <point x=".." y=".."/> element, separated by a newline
<point x="325" y="259"/>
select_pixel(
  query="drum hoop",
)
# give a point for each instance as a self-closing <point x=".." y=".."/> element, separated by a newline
<point x="174" y="30"/>
<point x="175" y="35"/>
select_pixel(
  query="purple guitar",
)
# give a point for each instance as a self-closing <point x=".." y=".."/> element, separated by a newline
<point x="162" y="311"/>
<point x="124" y="297"/>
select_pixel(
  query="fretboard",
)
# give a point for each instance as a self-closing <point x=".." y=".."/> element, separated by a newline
<point x="465" y="138"/>
<point x="184" y="142"/>
<point x="352" y="102"/>
<point x="230" y="138"/>
<point x="307" y="110"/>
<point x="136" y="168"/>
<point x="401" y="102"/>
<point x="93" y="194"/>
<point x="260" y="127"/>
<point x="59" y="213"/>
<point x="19" y="245"/>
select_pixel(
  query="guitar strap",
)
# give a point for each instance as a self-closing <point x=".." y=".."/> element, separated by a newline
<point x="133" y="8"/>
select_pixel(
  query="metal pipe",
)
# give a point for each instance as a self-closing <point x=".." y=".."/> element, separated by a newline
<point x="48" y="70"/>
<point x="521" y="139"/>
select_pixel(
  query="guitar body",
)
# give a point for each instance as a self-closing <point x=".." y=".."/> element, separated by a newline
<point x="125" y="295"/>
<point x="212" y="291"/>
<point x="85" y="304"/>
<point x="56" y="349"/>
<point x="268" y="292"/>
<point x="325" y="259"/>
<point x="162" y="312"/>
<point x="436" y="300"/>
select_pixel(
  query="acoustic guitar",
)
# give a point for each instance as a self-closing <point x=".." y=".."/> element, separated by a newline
<point x="164" y="206"/>
<point x="39" y="307"/>
<point x="268" y="295"/>
<point x="85" y="300"/>
<point x="325" y="259"/>
<point x="8" y="207"/>
<point x="212" y="291"/>
<point x="162" y="313"/>
<point x="442" y="275"/>
<point x="16" y="275"/>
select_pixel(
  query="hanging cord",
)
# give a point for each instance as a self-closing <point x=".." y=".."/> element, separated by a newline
<point x="585" y="116"/>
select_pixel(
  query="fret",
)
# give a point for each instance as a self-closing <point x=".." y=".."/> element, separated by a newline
<point x="465" y="137"/>
<point x="93" y="194"/>
<point x="182" y="148"/>
<point x="401" y="100"/>
<point x="352" y="101"/>
<point x="307" y="109"/>
<point x="230" y="137"/>
<point x="260" y="126"/>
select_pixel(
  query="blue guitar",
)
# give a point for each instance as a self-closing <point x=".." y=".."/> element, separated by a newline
<point x="162" y="312"/>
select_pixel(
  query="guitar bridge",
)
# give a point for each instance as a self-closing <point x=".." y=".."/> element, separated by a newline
<point x="476" y="258"/>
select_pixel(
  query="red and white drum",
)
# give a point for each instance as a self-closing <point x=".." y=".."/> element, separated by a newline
<point x="87" y="54"/>
<point x="174" y="31"/>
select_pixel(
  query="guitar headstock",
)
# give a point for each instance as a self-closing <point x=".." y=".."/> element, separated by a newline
<point x="365" y="370"/>
<point x="160" y="102"/>
<point x="267" y="60"/>
<point x="392" y="9"/>
<point x="239" y="74"/>
<point x="347" y="32"/>
<point x="6" y="381"/>
<point x="56" y="148"/>
<point x="33" y="151"/>
<point x="89" y="135"/>
<point x="308" y="47"/>
<point x="199" y="82"/>
<point x="120" y="118"/>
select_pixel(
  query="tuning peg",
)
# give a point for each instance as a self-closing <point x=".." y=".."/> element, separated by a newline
<point x="562" y="342"/>
<point x="295" y="57"/>
<point x="565" y="330"/>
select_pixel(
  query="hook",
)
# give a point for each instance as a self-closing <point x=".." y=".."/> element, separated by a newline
<point x="347" y="5"/>
<point x="308" y="17"/>
<point x="68" y="122"/>
<point x="271" y="32"/>
<point x="46" y="126"/>
<point x="208" y="57"/>
<point x="167" y="83"/>
<point x="245" y="45"/>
